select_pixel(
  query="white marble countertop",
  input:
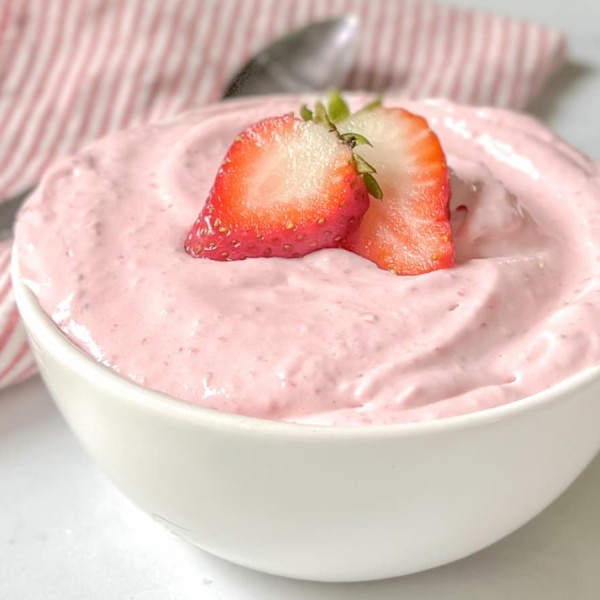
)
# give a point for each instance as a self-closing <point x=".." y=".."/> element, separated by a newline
<point x="67" y="533"/>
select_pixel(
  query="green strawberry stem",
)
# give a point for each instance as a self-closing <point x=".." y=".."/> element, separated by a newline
<point x="337" y="110"/>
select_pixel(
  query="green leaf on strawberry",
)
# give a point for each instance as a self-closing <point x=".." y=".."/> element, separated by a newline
<point x="338" y="109"/>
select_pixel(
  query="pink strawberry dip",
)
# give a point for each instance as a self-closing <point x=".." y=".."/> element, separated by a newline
<point x="327" y="339"/>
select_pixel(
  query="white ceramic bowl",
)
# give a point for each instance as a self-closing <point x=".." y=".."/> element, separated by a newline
<point x="331" y="504"/>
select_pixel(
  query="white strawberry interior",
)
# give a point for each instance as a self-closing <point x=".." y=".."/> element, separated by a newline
<point x="295" y="170"/>
<point x="390" y="151"/>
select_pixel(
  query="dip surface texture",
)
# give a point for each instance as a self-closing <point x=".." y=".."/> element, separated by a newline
<point x="329" y="338"/>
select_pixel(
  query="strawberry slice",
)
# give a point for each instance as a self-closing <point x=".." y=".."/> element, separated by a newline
<point x="408" y="231"/>
<point x="286" y="187"/>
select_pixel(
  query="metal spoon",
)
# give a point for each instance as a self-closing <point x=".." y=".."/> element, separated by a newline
<point x="314" y="58"/>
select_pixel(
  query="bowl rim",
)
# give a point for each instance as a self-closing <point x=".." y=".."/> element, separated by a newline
<point x="44" y="328"/>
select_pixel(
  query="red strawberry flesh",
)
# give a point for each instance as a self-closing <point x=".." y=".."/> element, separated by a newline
<point x="408" y="232"/>
<point x="285" y="188"/>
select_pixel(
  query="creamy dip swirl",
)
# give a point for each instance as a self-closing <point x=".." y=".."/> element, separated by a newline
<point x="328" y="338"/>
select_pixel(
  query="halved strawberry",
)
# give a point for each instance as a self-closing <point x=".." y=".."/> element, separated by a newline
<point x="408" y="231"/>
<point x="285" y="188"/>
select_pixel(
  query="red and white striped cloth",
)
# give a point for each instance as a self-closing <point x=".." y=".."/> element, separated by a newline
<point x="72" y="70"/>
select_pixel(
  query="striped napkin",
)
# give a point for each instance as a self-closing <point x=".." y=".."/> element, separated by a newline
<point x="72" y="70"/>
